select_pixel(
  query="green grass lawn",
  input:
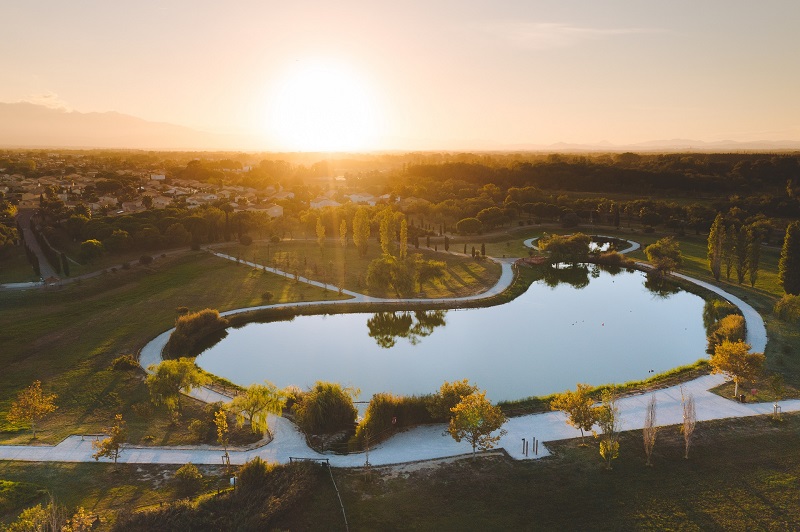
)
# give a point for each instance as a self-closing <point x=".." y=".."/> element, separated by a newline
<point x="15" y="268"/>
<point x="67" y="338"/>
<point x="335" y="265"/>
<point x="101" y="488"/>
<point x="741" y="475"/>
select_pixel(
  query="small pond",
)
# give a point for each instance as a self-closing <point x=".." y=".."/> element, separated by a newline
<point x="580" y="324"/>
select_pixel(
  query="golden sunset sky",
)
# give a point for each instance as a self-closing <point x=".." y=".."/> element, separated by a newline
<point x="302" y="75"/>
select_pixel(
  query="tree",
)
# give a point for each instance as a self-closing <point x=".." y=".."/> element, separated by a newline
<point x="343" y="234"/>
<point x="327" y="407"/>
<point x="113" y="445"/>
<point x="689" y="420"/>
<point x="361" y="230"/>
<point x="753" y="253"/>
<point x="404" y="239"/>
<point x="81" y="520"/>
<point x="221" y="423"/>
<point x="171" y="377"/>
<point x="89" y="250"/>
<point x="740" y="251"/>
<point x="728" y="250"/>
<point x="469" y="226"/>
<point x="386" y="232"/>
<point x="650" y="429"/>
<point x="188" y="479"/>
<point x="475" y="419"/>
<point x="607" y="415"/>
<point x="448" y="396"/>
<point x="789" y="264"/>
<point x="665" y="255"/>
<point x="320" y="234"/>
<point x="716" y="237"/>
<point x="735" y="360"/>
<point x="577" y="406"/>
<point x="256" y="403"/>
<point x="31" y="405"/>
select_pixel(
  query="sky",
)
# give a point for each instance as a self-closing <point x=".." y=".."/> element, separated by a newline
<point x="417" y="74"/>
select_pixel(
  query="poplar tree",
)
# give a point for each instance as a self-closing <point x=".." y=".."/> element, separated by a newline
<point x="728" y="249"/>
<point x="403" y="239"/>
<point x="343" y="233"/>
<point x="789" y="265"/>
<point x="741" y="249"/>
<point x="715" y="238"/>
<point x="753" y="253"/>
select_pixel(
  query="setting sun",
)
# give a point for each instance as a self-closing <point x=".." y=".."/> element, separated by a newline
<point x="322" y="106"/>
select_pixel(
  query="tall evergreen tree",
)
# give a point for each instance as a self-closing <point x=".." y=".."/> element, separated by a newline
<point x="716" y="236"/>
<point x="740" y="250"/>
<point x="789" y="265"/>
<point x="753" y="253"/>
<point x="361" y="230"/>
<point x="729" y="249"/>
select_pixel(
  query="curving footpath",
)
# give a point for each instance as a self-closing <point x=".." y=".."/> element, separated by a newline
<point x="425" y="442"/>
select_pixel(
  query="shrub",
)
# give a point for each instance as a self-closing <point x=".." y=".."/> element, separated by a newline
<point x="325" y="408"/>
<point x="182" y="310"/>
<point x="253" y="475"/>
<point x="126" y="266"/>
<point x="387" y="413"/>
<point x="188" y="480"/>
<point x="714" y="310"/>
<point x="245" y="240"/>
<point x="788" y="308"/>
<point x="731" y="328"/>
<point x="448" y="396"/>
<point x="274" y="239"/>
<point x="192" y="329"/>
<point x="124" y="363"/>
<point x="144" y="260"/>
<point x="267" y="296"/>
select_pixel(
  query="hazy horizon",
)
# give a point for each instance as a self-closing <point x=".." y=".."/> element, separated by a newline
<point x="418" y="76"/>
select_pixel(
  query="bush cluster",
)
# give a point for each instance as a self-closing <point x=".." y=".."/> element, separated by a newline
<point x="788" y="308"/>
<point x="325" y="408"/>
<point x="192" y="329"/>
<point x="389" y="413"/>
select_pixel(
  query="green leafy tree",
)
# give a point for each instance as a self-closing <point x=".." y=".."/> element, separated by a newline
<point x="448" y="396"/>
<point x="343" y="234"/>
<point x="170" y="378"/>
<point x="113" y="445"/>
<point x="578" y="406"/>
<point x="327" y="407"/>
<point x="90" y="250"/>
<point x="753" y="253"/>
<point x="255" y="405"/>
<point x="607" y="415"/>
<point x="664" y="255"/>
<point x="474" y="419"/>
<point x="716" y="237"/>
<point x="221" y="423"/>
<point x="320" y="229"/>
<point x="31" y="405"/>
<point x="729" y="250"/>
<point x="789" y="264"/>
<point x="735" y="360"/>
<point x="740" y="251"/>
<point x="469" y="226"/>
<point x="361" y="230"/>
<point x="188" y="480"/>
<point x="403" y="239"/>
<point x="386" y="232"/>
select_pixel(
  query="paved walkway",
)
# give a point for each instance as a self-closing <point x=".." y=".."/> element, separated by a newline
<point x="424" y="442"/>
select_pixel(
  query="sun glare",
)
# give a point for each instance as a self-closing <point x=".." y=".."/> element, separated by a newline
<point x="323" y="107"/>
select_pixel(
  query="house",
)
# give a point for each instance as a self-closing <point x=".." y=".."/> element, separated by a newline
<point x="363" y="198"/>
<point x="320" y="202"/>
<point x="272" y="210"/>
<point x="283" y="194"/>
<point x="157" y="177"/>
<point x="161" y="202"/>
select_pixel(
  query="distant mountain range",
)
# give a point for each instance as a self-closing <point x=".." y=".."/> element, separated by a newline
<point x="36" y="126"/>
<point x="27" y="125"/>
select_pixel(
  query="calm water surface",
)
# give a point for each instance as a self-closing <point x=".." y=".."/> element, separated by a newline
<point x="613" y="329"/>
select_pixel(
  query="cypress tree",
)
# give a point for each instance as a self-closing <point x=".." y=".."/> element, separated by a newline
<point x="753" y="253"/>
<point x="715" y="238"/>
<point x="789" y="265"/>
<point x="728" y="250"/>
<point x="483" y="250"/>
<point x="741" y="249"/>
<point x="64" y="264"/>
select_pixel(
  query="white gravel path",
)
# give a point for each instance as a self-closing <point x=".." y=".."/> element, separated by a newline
<point x="429" y="441"/>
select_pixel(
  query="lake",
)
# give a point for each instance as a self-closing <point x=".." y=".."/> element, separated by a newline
<point x="576" y="325"/>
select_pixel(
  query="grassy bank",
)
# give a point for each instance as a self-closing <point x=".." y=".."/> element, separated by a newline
<point x="339" y="266"/>
<point x="67" y="338"/>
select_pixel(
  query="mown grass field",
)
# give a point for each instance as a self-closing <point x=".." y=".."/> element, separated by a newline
<point x="67" y="338"/>
<point x="15" y="268"/>
<point x="741" y="475"/>
<point x="345" y="267"/>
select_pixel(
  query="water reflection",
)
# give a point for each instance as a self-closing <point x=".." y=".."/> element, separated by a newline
<point x="387" y="327"/>
<point x="660" y="286"/>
